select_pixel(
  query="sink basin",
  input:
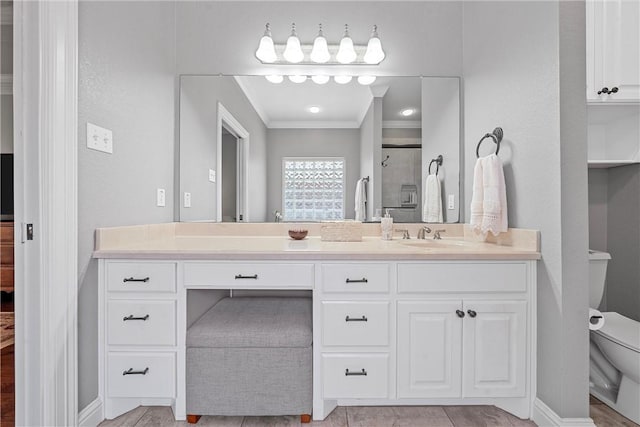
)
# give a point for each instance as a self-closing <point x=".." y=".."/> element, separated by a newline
<point x="434" y="244"/>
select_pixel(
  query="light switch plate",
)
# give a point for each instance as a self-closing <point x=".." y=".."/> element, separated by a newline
<point x="212" y="175"/>
<point x="187" y="200"/>
<point x="160" y="197"/>
<point x="99" y="139"/>
<point x="451" y="201"/>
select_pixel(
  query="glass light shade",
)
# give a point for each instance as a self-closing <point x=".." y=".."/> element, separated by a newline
<point x="343" y="80"/>
<point x="298" y="79"/>
<point x="320" y="52"/>
<point x="320" y="79"/>
<point x="266" y="50"/>
<point x="293" y="52"/>
<point x="346" y="53"/>
<point x="314" y="109"/>
<point x="374" y="53"/>
<point x="274" y="79"/>
<point x="366" y="80"/>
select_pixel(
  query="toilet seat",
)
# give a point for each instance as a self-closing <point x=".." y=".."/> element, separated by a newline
<point x="621" y="330"/>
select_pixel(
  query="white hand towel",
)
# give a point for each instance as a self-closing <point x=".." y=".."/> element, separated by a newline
<point x="432" y="206"/>
<point x="489" y="200"/>
<point x="361" y="200"/>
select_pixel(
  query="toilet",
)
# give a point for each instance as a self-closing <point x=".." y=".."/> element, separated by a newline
<point x="614" y="375"/>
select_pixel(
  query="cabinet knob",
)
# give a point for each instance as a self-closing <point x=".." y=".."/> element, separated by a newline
<point x="472" y="313"/>
<point x="460" y="313"/>
<point x="614" y="90"/>
<point x="603" y="90"/>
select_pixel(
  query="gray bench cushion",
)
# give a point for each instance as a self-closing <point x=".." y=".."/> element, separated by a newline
<point x="254" y="322"/>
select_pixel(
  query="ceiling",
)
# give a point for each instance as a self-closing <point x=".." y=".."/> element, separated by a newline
<point x="286" y="105"/>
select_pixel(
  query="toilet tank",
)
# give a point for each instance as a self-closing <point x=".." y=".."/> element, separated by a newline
<point x="597" y="274"/>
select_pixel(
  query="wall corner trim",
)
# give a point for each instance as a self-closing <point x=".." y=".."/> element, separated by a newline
<point x="543" y="415"/>
<point x="92" y="414"/>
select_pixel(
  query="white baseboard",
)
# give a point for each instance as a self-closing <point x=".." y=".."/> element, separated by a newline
<point x="92" y="414"/>
<point x="544" y="416"/>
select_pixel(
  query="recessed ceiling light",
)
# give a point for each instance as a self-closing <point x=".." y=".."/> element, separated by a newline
<point x="314" y="109"/>
<point x="366" y="80"/>
<point x="274" y="79"/>
<point x="342" y="79"/>
<point x="298" y="79"/>
<point x="407" y="112"/>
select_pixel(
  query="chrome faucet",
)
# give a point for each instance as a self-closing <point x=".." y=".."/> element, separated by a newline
<point x="277" y="216"/>
<point x="436" y="234"/>
<point x="405" y="233"/>
<point x="422" y="233"/>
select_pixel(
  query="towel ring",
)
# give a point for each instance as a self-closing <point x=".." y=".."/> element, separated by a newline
<point x="496" y="135"/>
<point x="438" y="162"/>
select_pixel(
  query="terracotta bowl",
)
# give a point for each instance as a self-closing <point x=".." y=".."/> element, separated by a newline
<point x="298" y="234"/>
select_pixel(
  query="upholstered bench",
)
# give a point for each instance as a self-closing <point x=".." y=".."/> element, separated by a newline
<point x="251" y="356"/>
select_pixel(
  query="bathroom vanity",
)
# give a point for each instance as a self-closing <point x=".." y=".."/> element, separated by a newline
<point x="402" y="322"/>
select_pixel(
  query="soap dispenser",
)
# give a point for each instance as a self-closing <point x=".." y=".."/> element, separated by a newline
<point x="387" y="226"/>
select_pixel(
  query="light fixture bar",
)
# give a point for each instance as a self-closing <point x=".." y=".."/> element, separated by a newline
<point x="306" y="50"/>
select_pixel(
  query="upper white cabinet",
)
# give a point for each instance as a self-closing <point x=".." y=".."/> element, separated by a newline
<point x="613" y="51"/>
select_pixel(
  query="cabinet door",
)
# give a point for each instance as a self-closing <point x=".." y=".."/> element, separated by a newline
<point x="429" y="349"/>
<point x="613" y="50"/>
<point x="494" y="349"/>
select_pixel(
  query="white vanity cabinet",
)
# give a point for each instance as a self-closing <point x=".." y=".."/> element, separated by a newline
<point x="613" y="51"/>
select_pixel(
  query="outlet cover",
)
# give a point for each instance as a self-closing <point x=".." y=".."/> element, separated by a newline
<point x="212" y="175"/>
<point x="99" y="139"/>
<point x="160" y="197"/>
<point x="187" y="200"/>
<point x="451" y="201"/>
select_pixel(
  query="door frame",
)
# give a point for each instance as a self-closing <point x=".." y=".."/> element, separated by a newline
<point x="226" y="119"/>
<point x="45" y="188"/>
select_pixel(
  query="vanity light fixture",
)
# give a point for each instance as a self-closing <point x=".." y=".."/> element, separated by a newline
<point x="314" y="109"/>
<point x="366" y="80"/>
<point x="320" y="51"/>
<point x="342" y="79"/>
<point x="407" y="112"/>
<point x="266" y="50"/>
<point x="374" y="53"/>
<point x="346" y="52"/>
<point x="274" y="79"/>
<point x="298" y="78"/>
<point x="320" y="79"/>
<point x="293" y="52"/>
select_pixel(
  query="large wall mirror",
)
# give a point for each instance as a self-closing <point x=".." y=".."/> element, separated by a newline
<point x="252" y="150"/>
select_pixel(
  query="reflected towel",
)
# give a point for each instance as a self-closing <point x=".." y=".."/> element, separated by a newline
<point x="489" y="200"/>
<point x="361" y="200"/>
<point x="432" y="206"/>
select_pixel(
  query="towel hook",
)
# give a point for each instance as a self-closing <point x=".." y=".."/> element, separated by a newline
<point x="438" y="162"/>
<point x="496" y="135"/>
<point x="384" y="162"/>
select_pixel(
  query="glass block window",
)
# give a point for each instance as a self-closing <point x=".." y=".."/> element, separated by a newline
<point x="313" y="188"/>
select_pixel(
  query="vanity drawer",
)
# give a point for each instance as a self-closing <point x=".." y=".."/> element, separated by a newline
<point x="354" y="323"/>
<point x="249" y="275"/>
<point x="141" y="277"/>
<point x="141" y="322"/>
<point x="462" y="277"/>
<point x="157" y="377"/>
<point x="355" y="277"/>
<point x="357" y="376"/>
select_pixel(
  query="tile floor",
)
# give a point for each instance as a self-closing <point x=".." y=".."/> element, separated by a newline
<point x="380" y="416"/>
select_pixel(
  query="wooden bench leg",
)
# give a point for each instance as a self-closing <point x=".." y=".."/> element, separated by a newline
<point x="193" y="419"/>
<point x="305" y="418"/>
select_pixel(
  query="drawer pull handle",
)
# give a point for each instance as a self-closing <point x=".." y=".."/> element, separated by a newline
<point x="460" y="313"/>
<point x="362" y="373"/>
<point x="130" y="371"/>
<point x="363" y="280"/>
<point x="130" y="317"/>
<point x="472" y="313"/>
<point x="240" y="276"/>
<point x="356" y="319"/>
<point x="131" y="279"/>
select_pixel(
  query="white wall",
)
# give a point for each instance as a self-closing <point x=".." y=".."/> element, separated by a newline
<point x="420" y="38"/>
<point x="6" y="124"/>
<point x="199" y="97"/>
<point x="371" y="155"/>
<point x="126" y="84"/>
<point x="598" y="199"/>
<point x="311" y="143"/>
<point x="526" y="74"/>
